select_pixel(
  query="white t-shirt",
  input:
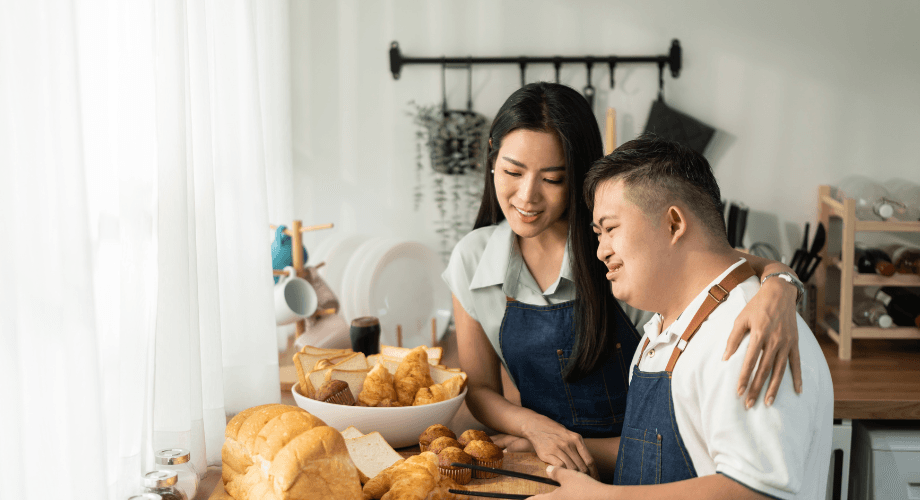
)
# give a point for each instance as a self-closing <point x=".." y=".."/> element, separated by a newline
<point x="783" y="450"/>
<point x="486" y="266"/>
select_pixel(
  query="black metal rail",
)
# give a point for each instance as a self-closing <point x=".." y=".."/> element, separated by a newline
<point x="672" y="60"/>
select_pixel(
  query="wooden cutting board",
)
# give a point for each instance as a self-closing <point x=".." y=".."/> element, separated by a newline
<point x="519" y="462"/>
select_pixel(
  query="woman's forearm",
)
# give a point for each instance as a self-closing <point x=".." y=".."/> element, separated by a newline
<point x="763" y="266"/>
<point x="604" y="451"/>
<point x="491" y="409"/>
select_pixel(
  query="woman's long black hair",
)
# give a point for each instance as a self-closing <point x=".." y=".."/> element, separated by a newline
<point x="558" y="109"/>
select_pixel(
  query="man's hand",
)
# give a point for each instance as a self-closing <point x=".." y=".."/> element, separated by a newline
<point x="573" y="486"/>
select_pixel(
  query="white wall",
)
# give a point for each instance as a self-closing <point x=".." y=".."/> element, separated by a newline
<point x="803" y="93"/>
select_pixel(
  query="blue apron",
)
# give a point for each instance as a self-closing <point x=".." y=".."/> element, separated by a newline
<point x="537" y="342"/>
<point x="651" y="448"/>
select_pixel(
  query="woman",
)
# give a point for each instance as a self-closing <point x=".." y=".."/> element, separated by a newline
<point x="529" y="293"/>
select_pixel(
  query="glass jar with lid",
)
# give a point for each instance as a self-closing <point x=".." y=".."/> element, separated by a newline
<point x="179" y="460"/>
<point x="164" y="483"/>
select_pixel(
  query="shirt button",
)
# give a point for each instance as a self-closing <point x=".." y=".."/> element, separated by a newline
<point x="651" y="353"/>
<point x="559" y="352"/>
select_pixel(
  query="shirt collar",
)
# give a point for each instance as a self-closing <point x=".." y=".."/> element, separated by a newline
<point x="680" y="324"/>
<point x="502" y="263"/>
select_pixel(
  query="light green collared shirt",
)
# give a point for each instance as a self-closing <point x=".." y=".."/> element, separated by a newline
<point x="487" y="266"/>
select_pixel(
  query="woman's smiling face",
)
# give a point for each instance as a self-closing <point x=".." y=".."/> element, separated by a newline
<point x="530" y="181"/>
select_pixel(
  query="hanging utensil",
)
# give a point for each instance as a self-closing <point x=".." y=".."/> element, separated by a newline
<point x="811" y="261"/>
<point x="589" y="89"/>
<point x="800" y="252"/>
<point x="612" y="62"/>
<point x="557" y="64"/>
<point x="523" y="64"/>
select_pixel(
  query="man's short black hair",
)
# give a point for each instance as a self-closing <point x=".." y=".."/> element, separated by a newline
<point x="659" y="172"/>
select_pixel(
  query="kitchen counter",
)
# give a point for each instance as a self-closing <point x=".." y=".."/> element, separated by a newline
<point x="882" y="381"/>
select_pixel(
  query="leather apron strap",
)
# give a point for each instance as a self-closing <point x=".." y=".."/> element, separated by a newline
<point x="717" y="295"/>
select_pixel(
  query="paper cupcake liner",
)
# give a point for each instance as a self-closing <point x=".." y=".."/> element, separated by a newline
<point x="422" y="447"/>
<point x="343" y="397"/>
<point x="461" y="476"/>
<point x="495" y="464"/>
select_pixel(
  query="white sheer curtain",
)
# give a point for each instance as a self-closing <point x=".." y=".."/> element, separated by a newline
<point x="138" y="143"/>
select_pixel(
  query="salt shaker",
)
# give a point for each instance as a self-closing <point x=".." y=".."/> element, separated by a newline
<point x="179" y="460"/>
<point x="163" y="483"/>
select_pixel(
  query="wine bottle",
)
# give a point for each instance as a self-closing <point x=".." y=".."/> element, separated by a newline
<point x="873" y="202"/>
<point x="906" y="259"/>
<point x="874" y="261"/>
<point x="871" y="312"/>
<point x="901" y="305"/>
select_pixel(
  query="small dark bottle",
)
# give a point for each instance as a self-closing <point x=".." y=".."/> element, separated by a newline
<point x="874" y="261"/>
<point x="365" y="335"/>
<point x="902" y="305"/>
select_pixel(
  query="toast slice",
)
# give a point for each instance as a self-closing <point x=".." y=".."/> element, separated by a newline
<point x="398" y="353"/>
<point x="371" y="454"/>
<point x="354" y="379"/>
<point x="351" y="432"/>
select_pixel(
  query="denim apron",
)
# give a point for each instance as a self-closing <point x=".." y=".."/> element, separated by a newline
<point x="651" y="449"/>
<point x="537" y="342"/>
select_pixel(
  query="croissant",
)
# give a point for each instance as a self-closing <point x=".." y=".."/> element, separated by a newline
<point x="413" y="373"/>
<point x="416" y="478"/>
<point x="378" y="387"/>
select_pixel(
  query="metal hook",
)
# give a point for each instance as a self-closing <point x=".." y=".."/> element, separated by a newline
<point x="589" y="89"/>
<point x="557" y="63"/>
<point x="661" y="81"/>
<point x="612" y="62"/>
<point x="444" y="85"/>
<point x="469" y="84"/>
<point x="523" y="63"/>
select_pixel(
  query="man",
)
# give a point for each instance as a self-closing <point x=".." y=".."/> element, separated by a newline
<point x="658" y="216"/>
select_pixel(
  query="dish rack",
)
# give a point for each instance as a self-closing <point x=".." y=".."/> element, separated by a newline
<point x="834" y="213"/>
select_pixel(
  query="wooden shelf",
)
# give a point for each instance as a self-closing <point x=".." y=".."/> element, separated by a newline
<point x="844" y="333"/>
<point x="861" y="279"/>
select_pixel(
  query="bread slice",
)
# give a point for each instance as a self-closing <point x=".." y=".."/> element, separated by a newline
<point x="305" y="363"/>
<point x="441" y="375"/>
<point x="326" y="353"/>
<point x="398" y="353"/>
<point x="371" y="453"/>
<point x="354" y="378"/>
<point x="351" y="432"/>
<point x="355" y="361"/>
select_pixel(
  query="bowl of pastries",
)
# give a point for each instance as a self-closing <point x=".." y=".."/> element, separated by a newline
<point x="398" y="393"/>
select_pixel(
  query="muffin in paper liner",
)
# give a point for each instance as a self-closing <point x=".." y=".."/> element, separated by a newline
<point x="458" y="474"/>
<point x="495" y="464"/>
<point x="343" y="397"/>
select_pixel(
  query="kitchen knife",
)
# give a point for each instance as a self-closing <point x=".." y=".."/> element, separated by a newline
<point x="801" y="251"/>
<point x="811" y="270"/>
<point x="742" y="224"/>
<point x="816" y="246"/>
<point x="730" y="226"/>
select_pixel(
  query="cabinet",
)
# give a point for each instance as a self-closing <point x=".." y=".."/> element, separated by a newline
<point x="842" y="215"/>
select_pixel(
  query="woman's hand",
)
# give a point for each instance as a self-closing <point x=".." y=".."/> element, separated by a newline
<point x="556" y="445"/>
<point x="770" y="316"/>
<point x="573" y="485"/>
<point x="511" y="443"/>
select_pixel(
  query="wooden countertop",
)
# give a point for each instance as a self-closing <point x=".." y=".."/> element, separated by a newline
<point x="882" y="381"/>
<point x="520" y="462"/>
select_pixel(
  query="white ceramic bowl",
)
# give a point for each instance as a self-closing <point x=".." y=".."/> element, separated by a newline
<point x="400" y="426"/>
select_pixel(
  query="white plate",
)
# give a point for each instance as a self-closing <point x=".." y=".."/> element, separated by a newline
<point x="405" y="288"/>
<point x="364" y="252"/>
<point x="336" y="257"/>
<point x="400" y="426"/>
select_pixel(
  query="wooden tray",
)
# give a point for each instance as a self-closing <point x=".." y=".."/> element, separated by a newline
<point x="519" y="462"/>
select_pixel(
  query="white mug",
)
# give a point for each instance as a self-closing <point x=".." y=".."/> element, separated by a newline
<point x="295" y="298"/>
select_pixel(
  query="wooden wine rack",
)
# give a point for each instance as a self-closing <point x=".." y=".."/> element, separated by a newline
<point x="829" y="208"/>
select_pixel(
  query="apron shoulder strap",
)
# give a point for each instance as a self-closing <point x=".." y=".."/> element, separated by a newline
<point x="717" y="295"/>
